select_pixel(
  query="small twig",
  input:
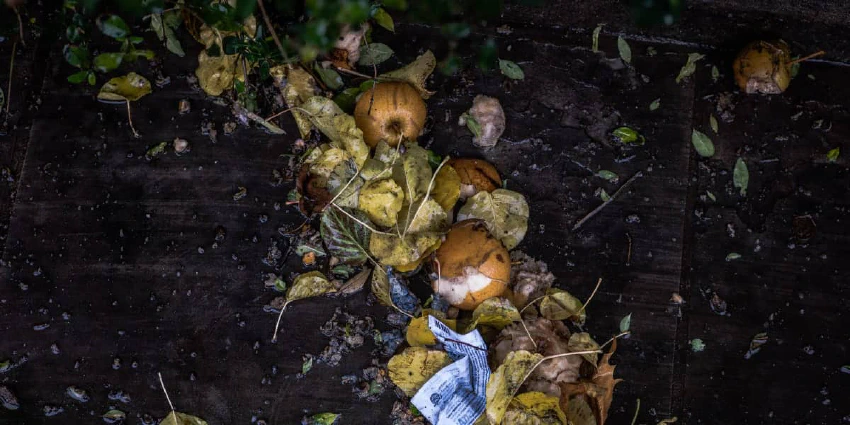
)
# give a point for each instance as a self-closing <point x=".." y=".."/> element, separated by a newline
<point x="555" y="356"/>
<point x="629" y="252"/>
<point x="277" y="325"/>
<point x="611" y="199"/>
<point x="20" y="26"/>
<point x="11" y="69"/>
<point x="466" y="343"/>
<point x="272" y="32"/>
<point x="805" y="58"/>
<point x="613" y="338"/>
<point x="166" y="392"/>
<point x="130" y="120"/>
<point x="598" y="283"/>
<point x="637" y="410"/>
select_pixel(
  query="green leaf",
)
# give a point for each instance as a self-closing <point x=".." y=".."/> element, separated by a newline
<point x="511" y="70"/>
<point x="626" y="323"/>
<point x="596" y="31"/>
<point x="741" y="176"/>
<point x="375" y="53"/>
<point x="346" y="238"/>
<point x="690" y="66"/>
<point x="625" y="50"/>
<point x="156" y="150"/>
<point x="603" y="195"/>
<point x="76" y="56"/>
<point x="307" y="365"/>
<point x="106" y="62"/>
<point x="113" y="26"/>
<point x="135" y="39"/>
<point x="173" y="44"/>
<point x="732" y="256"/>
<point x="75" y="78"/>
<point x="177" y="418"/>
<point x="347" y="99"/>
<point x="331" y="78"/>
<point x="607" y="175"/>
<point x="147" y="54"/>
<point x="158" y="26"/>
<point x="715" y="73"/>
<point x="702" y="144"/>
<point x="628" y="136"/>
<point x="710" y="195"/>
<point x="383" y="19"/>
<point x="655" y="104"/>
<point x="472" y="124"/>
<point x="832" y="155"/>
<point x="92" y="79"/>
<point x="714" y="126"/>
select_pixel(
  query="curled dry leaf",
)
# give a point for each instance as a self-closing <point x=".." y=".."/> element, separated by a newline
<point x="410" y="369"/>
<point x="338" y="126"/>
<point x="130" y="87"/>
<point x="177" y="418"/>
<point x="494" y="312"/>
<point x="535" y="408"/>
<point x="314" y="195"/>
<point x="215" y="73"/>
<point x="506" y="380"/>
<point x="561" y="305"/>
<point x="354" y="284"/>
<point x="346" y="50"/>
<point x="415" y="73"/>
<point x="381" y="200"/>
<point x="505" y="213"/>
<point x="599" y="390"/>
<point x="488" y="113"/>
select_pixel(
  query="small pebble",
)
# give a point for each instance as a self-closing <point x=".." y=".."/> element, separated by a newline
<point x="51" y="410"/>
<point x="78" y="394"/>
<point x="8" y="399"/>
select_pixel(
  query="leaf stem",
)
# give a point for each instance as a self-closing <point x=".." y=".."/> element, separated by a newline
<point x="637" y="410"/>
<point x="130" y="120"/>
<point x="162" y="383"/>
<point x="361" y="222"/>
<point x="598" y="283"/>
<point x="279" y="316"/>
<point x="556" y="356"/>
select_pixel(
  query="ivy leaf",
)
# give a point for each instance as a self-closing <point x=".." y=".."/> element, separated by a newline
<point x="106" y="62"/>
<point x="626" y="323"/>
<point x="374" y="53"/>
<point x="690" y="66"/>
<point x="383" y="19"/>
<point x="702" y="144"/>
<point x="596" y="31"/>
<point x="832" y="155"/>
<point x="511" y="70"/>
<point x="505" y="213"/>
<point x="741" y="176"/>
<point x="346" y="238"/>
<point x="113" y="26"/>
<point x="177" y="418"/>
<point x="625" y="50"/>
<point x="331" y="78"/>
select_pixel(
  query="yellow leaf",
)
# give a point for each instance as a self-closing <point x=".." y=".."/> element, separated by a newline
<point x="413" y="174"/>
<point x="409" y="267"/>
<point x="177" y="418"/>
<point x="446" y="187"/>
<point x="297" y="87"/>
<point x="505" y="213"/>
<point x="326" y="162"/>
<point x="422" y="217"/>
<point x="385" y="153"/>
<point x="561" y="305"/>
<point x="416" y="73"/>
<point x="535" y="408"/>
<point x="374" y="169"/>
<point x="381" y="200"/>
<point x="337" y="126"/>
<point x="582" y="341"/>
<point x="494" y="312"/>
<point x="215" y="73"/>
<point x="391" y="250"/>
<point x="410" y="369"/>
<point x="128" y="87"/>
<point x="505" y="382"/>
<point x="309" y="285"/>
<point x="418" y="333"/>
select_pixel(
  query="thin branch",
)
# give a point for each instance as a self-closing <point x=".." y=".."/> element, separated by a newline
<point x="277" y="325"/>
<point x="272" y="31"/>
<point x="629" y="252"/>
<point x="11" y="69"/>
<point x="613" y="338"/>
<point x="805" y="58"/>
<point x="598" y="283"/>
<point x="162" y="383"/>
<point x="610" y="200"/>
<point x="555" y="356"/>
